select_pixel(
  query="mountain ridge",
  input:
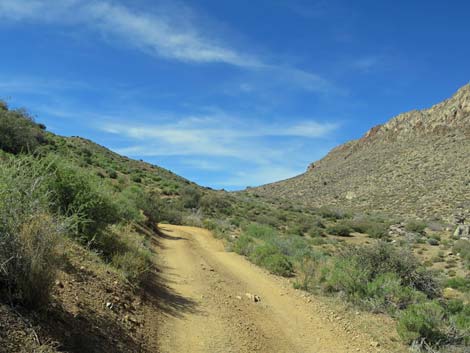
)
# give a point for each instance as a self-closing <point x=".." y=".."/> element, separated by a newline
<point x="385" y="168"/>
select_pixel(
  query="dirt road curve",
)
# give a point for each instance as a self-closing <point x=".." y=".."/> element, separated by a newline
<point x="213" y="314"/>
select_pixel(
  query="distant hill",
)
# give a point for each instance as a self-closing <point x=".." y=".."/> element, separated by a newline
<point x="416" y="164"/>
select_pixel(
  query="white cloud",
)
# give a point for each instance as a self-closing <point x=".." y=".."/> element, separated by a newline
<point x="155" y="33"/>
<point x="215" y="137"/>
<point x="158" y="33"/>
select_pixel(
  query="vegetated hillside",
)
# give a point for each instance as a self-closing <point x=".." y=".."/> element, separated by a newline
<point x="79" y="243"/>
<point x="417" y="164"/>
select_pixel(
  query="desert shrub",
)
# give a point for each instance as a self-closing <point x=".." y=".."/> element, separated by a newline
<point x="19" y="132"/>
<point x="244" y="245"/>
<point x="379" y="276"/>
<point x="386" y="293"/>
<point x="36" y="258"/>
<point x="383" y="258"/>
<point x="372" y="227"/>
<point x="454" y="306"/>
<point x="462" y="247"/>
<point x="269" y="256"/>
<point x="135" y="265"/>
<point x="377" y="230"/>
<point x="190" y="197"/>
<point x="259" y="231"/>
<point x="460" y="283"/>
<point x="415" y="226"/>
<point x="303" y="225"/>
<point x="346" y="275"/>
<point x="332" y="213"/>
<point x="268" y="220"/>
<point x="433" y="242"/>
<point x="151" y="205"/>
<point x="423" y="321"/>
<point x="171" y="215"/>
<point x="127" y="251"/>
<point x="213" y="203"/>
<point x="307" y="262"/>
<point x="156" y="209"/>
<point x="136" y="179"/>
<point x="318" y="241"/>
<point x="340" y="229"/>
<point x="460" y="321"/>
<point x="221" y="228"/>
<point x="76" y="193"/>
<point x="316" y="232"/>
<point x="112" y="173"/>
<point x="194" y="219"/>
<point x="128" y="205"/>
<point x="29" y="234"/>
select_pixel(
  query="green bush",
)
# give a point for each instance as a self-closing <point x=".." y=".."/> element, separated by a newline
<point x="460" y="283"/>
<point x="377" y="231"/>
<point x="346" y="275"/>
<point x="215" y="203"/>
<point x="190" y="197"/>
<point x="127" y="251"/>
<point x="307" y="261"/>
<point x="462" y="247"/>
<point x="379" y="276"/>
<point x="136" y="179"/>
<point x="171" y="215"/>
<point x="316" y="232"/>
<point x="19" y="132"/>
<point x="423" y="321"/>
<point x="270" y="257"/>
<point x="278" y="264"/>
<point x="415" y="226"/>
<point x="331" y="213"/>
<point x="386" y="293"/>
<point x="112" y="174"/>
<point x="244" y="245"/>
<point x="79" y="194"/>
<point x="340" y="229"/>
<point x="128" y="205"/>
<point x="29" y="234"/>
<point x="304" y="225"/>
<point x="460" y="322"/>
<point x="382" y="258"/>
<point x="433" y="242"/>
<point x="259" y="231"/>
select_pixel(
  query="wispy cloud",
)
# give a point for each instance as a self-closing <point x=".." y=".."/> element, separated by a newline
<point x="158" y="34"/>
<point x="162" y="34"/>
<point x="213" y="136"/>
<point x="242" y="153"/>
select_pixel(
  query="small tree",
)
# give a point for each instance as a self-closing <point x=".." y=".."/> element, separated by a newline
<point x="18" y="131"/>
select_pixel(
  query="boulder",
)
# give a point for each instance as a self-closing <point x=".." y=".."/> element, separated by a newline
<point x="462" y="231"/>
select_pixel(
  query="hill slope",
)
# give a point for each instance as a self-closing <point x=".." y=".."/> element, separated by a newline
<point x="415" y="164"/>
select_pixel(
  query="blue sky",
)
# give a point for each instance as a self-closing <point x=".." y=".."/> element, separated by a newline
<point x="229" y="93"/>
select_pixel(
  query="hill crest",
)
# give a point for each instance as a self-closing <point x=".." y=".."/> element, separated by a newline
<point x="415" y="164"/>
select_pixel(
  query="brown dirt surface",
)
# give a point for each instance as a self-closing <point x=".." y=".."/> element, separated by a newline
<point x="211" y="311"/>
<point x="92" y="311"/>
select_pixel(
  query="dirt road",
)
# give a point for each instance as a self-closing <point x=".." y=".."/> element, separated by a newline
<point x="212" y="312"/>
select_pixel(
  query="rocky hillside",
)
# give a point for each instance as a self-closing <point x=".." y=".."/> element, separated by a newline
<point x="417" y="164"/>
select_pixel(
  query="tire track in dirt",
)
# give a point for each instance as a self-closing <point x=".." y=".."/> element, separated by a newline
<point x="222" y="319"/>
